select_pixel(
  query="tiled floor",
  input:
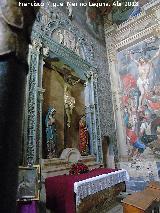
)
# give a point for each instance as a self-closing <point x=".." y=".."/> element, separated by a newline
<point x="116" y="209"/>
<point x="117" y="206"/>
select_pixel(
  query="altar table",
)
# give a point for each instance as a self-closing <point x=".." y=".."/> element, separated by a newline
<point x="60" y="195"/>
<point x="98" y="183"/>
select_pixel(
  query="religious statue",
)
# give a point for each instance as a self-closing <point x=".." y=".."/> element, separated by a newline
<point x="51" y="134"/>
<point x="69" y="100"/>
<point x="69" y="40"/>
<point x="60" y="35"/>
<point x="83" y="137"/>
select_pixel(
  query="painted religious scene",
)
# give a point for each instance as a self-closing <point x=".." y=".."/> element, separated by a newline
<point x="139" y="75"/>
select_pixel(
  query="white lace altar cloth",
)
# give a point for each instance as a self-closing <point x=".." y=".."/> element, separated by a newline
<point x="95" y="184"/>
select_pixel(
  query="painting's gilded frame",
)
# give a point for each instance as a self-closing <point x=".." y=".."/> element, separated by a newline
<point x="28" y="177"/>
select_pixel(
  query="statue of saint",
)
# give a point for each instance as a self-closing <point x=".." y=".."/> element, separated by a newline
<point x="60" y="35"/>
<point x="51" y="134"/>
<point x="69" y="100"/>
<point x="83" y="137"/>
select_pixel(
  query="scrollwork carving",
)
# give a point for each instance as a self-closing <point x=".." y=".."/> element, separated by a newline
<point x="36" y="44"/>
<point x="45" y="51"/>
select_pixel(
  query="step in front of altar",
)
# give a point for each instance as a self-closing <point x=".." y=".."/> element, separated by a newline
<point x="57" y="166"/>
<point x="54" y="167"/>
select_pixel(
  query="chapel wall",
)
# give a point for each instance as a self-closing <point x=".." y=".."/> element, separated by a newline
<point x="134" y="56"/>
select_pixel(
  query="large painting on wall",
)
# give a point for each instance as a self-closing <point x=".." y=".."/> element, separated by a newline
<point x="139" y="74"/>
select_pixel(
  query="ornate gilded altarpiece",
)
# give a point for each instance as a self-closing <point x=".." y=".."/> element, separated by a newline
<point x="48" y="41"/>
<point x="133" y="50"/>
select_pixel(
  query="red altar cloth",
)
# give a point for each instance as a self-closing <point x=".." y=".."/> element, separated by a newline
<point x="60" y="195"/>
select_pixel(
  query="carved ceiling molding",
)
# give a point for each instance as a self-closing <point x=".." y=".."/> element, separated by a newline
<point x="137" y="28"/>
<point x="138" y="36"/>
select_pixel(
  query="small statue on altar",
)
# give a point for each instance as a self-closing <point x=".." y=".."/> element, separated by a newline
<point x="51" y="133"/>
<point x="69" y="100"/>
<point x="60" y="35"/>
<point x="83" y="137"/>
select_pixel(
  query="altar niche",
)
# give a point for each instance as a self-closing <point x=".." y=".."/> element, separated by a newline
<point x="43" y="84"/>
<point x="64" y="91"/>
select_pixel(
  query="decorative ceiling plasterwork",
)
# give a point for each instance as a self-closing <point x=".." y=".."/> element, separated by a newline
<point x="136" y="27"/>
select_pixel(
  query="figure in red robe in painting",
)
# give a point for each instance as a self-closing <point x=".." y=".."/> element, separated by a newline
<point x="135" y="141"/>
<point x="128" y="81"/>
<point x="83" y="137"/>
